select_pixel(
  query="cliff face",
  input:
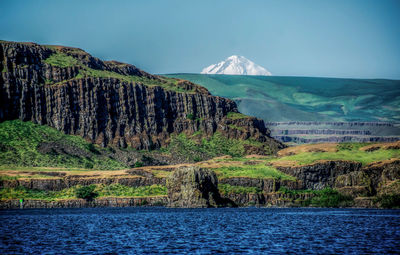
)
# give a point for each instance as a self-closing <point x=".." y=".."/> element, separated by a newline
<point x="107" y="102"/>
<point x="193" y="187"/>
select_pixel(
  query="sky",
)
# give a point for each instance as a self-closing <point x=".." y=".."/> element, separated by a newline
<point x="341" y="38"/>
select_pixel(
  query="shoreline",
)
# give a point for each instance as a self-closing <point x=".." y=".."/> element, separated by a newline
<point x="121" y="202"/>
<point x="82" y="203"/>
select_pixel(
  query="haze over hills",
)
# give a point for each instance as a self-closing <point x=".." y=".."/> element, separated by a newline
<point x="280" y="99"/>
<point x="305" y="99"/>
<point x="236" y="65"/>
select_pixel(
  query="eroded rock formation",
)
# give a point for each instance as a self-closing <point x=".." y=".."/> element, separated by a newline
<point x="193" y="187"/>
<point x="112" y="103"/>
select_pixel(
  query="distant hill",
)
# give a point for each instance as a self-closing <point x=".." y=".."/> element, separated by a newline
<point x="279" y="99"/>
<point x="311" y="110"/>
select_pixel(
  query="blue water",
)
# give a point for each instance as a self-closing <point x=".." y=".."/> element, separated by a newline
<point x="199" y="231"/>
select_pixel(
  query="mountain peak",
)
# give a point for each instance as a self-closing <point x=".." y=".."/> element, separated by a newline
<point x="236" y="65"/>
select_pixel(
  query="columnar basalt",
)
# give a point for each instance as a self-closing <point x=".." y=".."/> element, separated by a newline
<point x="108" y="108"/>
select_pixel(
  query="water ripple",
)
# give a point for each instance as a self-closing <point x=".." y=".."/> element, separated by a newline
<point x="199" y="231"/>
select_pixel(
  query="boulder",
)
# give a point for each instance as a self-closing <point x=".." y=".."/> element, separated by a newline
<point x="193" y="187"/>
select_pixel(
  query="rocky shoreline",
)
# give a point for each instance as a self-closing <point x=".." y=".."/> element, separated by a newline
<point x="82" y="203"/>
<point x="275" y="200"/>
<point x="198" y="187"/>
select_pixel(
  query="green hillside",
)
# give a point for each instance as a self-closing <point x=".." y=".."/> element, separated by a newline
<point x="25" y="144"/>
<point x="278" y="99"/>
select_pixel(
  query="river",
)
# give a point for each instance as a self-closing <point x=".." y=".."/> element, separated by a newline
<point x="199" y="231"/>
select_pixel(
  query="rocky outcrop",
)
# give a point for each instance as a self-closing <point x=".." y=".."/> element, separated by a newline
<point x="330" y="123"/>
<point x="55" y="184"/>
<point x="369" y="179"/>
<point x="336" y="139"/>
<point x="278" y="199"/>
<point x="320" y="174"/>
<point x="106" y="109"/>
<point x="266" y="185"/>
<point x="193" y="187"/>
<point x="320" y="132"/>
<point x="82" y="203"/>
<point x="246" y="199"/>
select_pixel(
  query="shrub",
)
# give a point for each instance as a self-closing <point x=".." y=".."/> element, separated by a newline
<point x="86" y="192"/>
<point x="330" y="198"/>
<point x="388" y="201"/>
<point x="138" y="164"/>
<point x="190" y="116"/>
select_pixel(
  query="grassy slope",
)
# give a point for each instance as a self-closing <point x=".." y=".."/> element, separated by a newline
<point x="20" y="144"/>
<point x="308" y="99"/>
<point x="190" y="148"/>
<point x="251" y="171"/>
<point x="62" y="60"/>
<point x="345" y="151"/>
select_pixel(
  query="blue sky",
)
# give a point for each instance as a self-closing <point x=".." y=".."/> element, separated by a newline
<point x="341" y="38"/>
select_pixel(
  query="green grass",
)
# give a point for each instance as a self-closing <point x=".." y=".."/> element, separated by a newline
<point x="236" y="127"/>
<point x="61" y="60"/>
<point x="113" y="190"/>
<point x="24" y="193"/>
<point x="164" y="82"/>
<point x="42" y="168"/>
<point x="363" y="157"/>
<point x="118" y="190"/>
<point x="226" y="189"/>
<point x="20" y="142"/>
<point x="216" y="145"/>
<point x="351" y="146"/>
<point x="252" y="171"/>
<point x="390" y="201"/>
<point x="192" y="149"/>
<point x="329" y="198"/>
<point x="236" y="116"/>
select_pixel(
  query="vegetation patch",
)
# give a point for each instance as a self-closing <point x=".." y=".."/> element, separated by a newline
<point x="226" y="189"/>
<point x="61" y="60"/>
<point x="236" y="127"/>
<point x="191" y="148"/>
<point x="85" y="192"/>
<point x="236" y="116"/>
<point x="252" y="171"/>
<point x="26" y="144"/>
<point x="390" y="201"/>
<point x="348" y="151"/>
<point x="118" y="190"/>
<point x="329" y="198"/>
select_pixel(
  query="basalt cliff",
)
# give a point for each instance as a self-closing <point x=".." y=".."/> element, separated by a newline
<point x="71" y="122"/>
<point x="112" y="103"/>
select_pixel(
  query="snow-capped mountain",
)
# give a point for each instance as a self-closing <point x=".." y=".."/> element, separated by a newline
<point x="238" y="65"/>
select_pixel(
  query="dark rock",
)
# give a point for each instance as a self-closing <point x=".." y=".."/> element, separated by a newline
<point x="111" y="111"/>
<point x="55" y="184"/>
<point x="321" y="174"/>
<point x="193" y="187"/>
<point x="82" y="203"/>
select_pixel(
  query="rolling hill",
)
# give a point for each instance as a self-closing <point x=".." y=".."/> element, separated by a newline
<point x="278" y="99"/>
<point x="306" y="103"/>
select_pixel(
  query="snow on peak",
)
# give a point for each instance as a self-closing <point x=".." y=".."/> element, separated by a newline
<point x="238" y="65"/>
